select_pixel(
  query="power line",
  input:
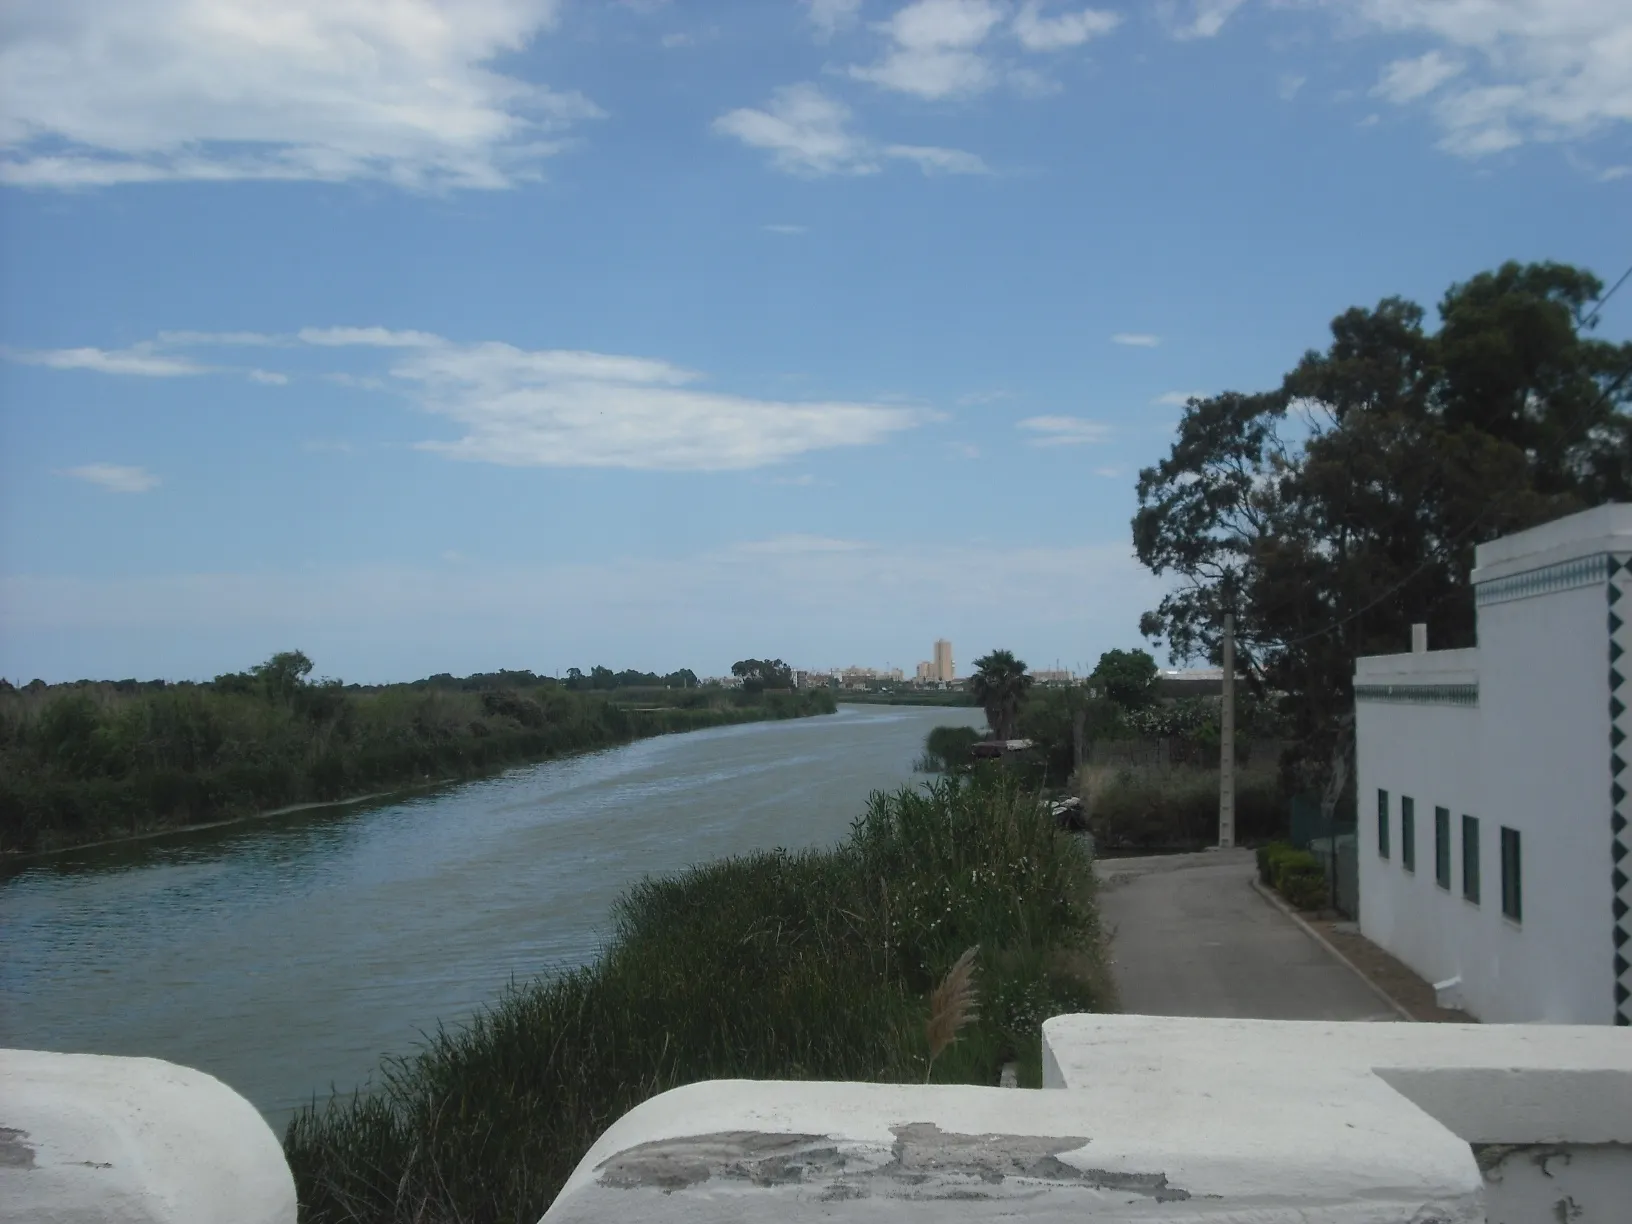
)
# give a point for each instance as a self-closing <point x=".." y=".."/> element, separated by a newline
<point x="1598" y="306"/>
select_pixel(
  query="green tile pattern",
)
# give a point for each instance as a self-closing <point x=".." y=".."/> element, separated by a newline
<point x="1618" y="570"/>
<point x="1420" y="694"/>
<point x="1583" y="571"/>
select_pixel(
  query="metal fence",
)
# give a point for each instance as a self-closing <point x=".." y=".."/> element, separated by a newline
<point x="1335" y="844"/>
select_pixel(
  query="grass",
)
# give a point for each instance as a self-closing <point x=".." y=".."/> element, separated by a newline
<point x="90" y="762"/>
<point x="1149" y="808"/>
<point x="856" y="963"/>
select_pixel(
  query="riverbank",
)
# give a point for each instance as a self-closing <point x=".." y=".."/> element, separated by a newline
<point x="818" y="964"/>
<point x="925" y="697"/>
<point x="88" y="764"/>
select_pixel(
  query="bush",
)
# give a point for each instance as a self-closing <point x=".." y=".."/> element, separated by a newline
<point x="946" y="749"/>
<point x="1305" y="890"/>
<point x="89" y="761"/>
<point x="1133" y="808"/>
<point x="1296" y="874"/>
<point x="814" y="965"/>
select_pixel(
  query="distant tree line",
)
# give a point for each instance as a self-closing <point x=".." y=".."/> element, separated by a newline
<point x="88" y="761"/>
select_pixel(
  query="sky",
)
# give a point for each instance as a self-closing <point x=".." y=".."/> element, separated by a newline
<point x="451" y="335"/>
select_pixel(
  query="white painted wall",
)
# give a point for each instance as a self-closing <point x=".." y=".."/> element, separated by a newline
<point x="1533" y="756"/>
<point x="89" y="1139"/>
<point x="1432" y="754"/>
<point x="1157" y="1119"/>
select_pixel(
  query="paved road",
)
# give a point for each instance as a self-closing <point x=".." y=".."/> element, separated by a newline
<point x="1190" y="937"/>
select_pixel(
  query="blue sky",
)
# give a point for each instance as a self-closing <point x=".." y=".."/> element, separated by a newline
<point x="444" y="336"/>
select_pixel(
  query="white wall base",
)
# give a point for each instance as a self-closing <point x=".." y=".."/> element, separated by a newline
<point x="88" y="1139"/>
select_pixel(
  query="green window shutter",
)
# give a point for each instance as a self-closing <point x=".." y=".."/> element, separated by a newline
<point x="1382" y="824"/>
<point x="1470" y="858"/>
<point x="1512" y="881"/>
<point x="1442" y="847"/>
<point x="1408" y="832"/>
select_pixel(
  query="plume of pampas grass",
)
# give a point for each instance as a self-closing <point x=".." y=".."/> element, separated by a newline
<point x="951" y="1006"/>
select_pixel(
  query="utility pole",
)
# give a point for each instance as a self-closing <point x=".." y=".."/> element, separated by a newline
<point x="1226" y="741"/>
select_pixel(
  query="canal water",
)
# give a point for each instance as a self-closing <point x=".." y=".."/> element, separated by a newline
<point x="286" y="955"/>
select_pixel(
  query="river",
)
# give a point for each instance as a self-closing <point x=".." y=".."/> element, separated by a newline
<point x="286" y="955"/>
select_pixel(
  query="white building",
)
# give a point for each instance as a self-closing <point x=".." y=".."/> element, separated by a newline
<point x="943" y="661"/>
<point x="1493" y="784"/>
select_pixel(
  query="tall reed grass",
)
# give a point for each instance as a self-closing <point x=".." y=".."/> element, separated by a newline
<point x="815" y="965"/>
<point x="80" y="763"/>
<point x="1149" y="807"/>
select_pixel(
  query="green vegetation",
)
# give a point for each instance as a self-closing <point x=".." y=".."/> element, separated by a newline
<point x="1172" y="806"/>
<point x="946" y="750"/>
<point x="907" y="696"/>
<point x="819" y="965"/>
<point x="90" y="761"/>
<point x="999" y="687"/>
<point x="1148" y="808"/>
<point x="1335" y="511"/>
<point x="757" y="675"/>
<point x="1296" y="874"/>
<point x="1127" y="677"/>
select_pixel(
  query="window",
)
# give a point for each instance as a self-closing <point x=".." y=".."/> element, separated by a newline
<point x="1408" y="833"/>
<point x="1442" y="847"/>
<point x="1512" y="896"/>
<point x="1382" y="824"/>
<point x="1470" y="858"/>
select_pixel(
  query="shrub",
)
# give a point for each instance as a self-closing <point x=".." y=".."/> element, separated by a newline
<point x="946" y="749"/>
<point x="1296" y="874"/>
<point x="1134" y="808"/>
<point x="816" y="965"/>
<point x="1305" y="890"/>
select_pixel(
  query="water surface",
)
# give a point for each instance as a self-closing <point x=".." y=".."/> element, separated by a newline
<point x="285" y="955"/>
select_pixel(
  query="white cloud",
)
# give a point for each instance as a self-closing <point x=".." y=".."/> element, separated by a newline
<point x="557" y="408"/>
<point x="933" y="160"/>
<point x="1201" y="19"/>
<point x="1065" y="430"/>
<point x="782" y="228"/>
<point x="138" y="359"/>
<point x="1406" y="80"/>
<point x="372" y="337"/>
<point x="1037" y="32"/>
<point x="935" y="49"/>
<point x="1546" y="70"/>
<point x="1108" y="472"/>
<point x="1178" y="399"/>
<point x="270" y="377"/>
<point x="99" y="94"/>
<point x="1289" y="86"/>
<point x="807" y="133"/>
<point x="804" y="131"/>
<point x="115" y="477"/>
<point x="1136" y="339"/>
<point x="831" y="16"/>
<point x="569" y="408"/>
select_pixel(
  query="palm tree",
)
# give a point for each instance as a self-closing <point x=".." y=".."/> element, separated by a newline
<point x="999" y="686"/>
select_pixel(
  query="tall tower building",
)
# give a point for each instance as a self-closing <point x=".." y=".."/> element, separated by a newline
<point x="943" y="660"/>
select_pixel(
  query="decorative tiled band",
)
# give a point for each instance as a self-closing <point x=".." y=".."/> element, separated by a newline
<point x="1583" y="571"/>
<point x="1618" y="571"/>
<point x="1420" y="694"/>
